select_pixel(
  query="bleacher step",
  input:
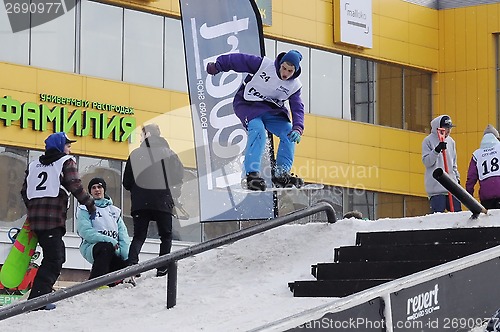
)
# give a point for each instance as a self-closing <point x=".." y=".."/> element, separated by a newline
<point x="332" y="288"/>
<point x="380" y="257"/>
<point x="370" y="270"/>
<point x="419" y="252"/>
<point x="429" y="236"/>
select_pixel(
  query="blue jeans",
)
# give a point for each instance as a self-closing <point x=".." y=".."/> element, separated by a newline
<point x="278" y="125"/>
<point x="440" y="203"/>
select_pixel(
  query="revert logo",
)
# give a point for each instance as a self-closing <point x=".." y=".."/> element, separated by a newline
<point x="24" y="14"/>
<point x="422" y="304"/>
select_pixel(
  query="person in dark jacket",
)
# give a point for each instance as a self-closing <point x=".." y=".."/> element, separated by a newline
<point x="153" y="175"/>
<point x="484" y="167"/>
<point x="46" y="188"/>
<point x="260" y="106"/>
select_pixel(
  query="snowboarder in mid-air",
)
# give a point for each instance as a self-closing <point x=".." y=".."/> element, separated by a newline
<point x="260" y="106"/>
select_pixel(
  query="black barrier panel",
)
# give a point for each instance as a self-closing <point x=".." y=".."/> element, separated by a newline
<point x="367" y="317"/>
<point x="458" y="301"/>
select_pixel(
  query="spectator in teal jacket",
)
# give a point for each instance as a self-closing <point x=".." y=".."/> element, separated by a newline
<point x="105" y="240"/>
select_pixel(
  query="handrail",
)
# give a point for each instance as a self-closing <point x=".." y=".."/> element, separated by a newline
<point x="169" y="259"/>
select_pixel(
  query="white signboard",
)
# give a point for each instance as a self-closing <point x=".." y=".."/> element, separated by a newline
<point x="356" y="22"/>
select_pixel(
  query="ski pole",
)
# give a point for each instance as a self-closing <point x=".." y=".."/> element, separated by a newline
<point x="441" y="135"/>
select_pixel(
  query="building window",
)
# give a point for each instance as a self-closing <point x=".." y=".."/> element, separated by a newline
<point x="15" y="46"/>
<point x="143" y="48"/>
<point x="362" y="90"/>
<point x="13" y="163"/>
<point x="304" y="65"/>
<point x="389" y="206"/>
<point x="326" y="84"/>
<point x="416" y="206"/>
<point x="53" y="44"/>
<point x="360" y="200"/>
<point x="390" y="95"/>
<point x="417" y="100"/>
<point x="101" y="45"/>
<point x="270" y="48"/>
<point x="175" y="77"/>
<point x="377" y="205"/>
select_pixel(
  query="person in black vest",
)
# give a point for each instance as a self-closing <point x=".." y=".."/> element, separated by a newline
<point x="153" y="175"/>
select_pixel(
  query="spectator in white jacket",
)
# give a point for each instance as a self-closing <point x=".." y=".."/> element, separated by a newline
<point x="432" y="157"/>
<point x="105" y="240"/>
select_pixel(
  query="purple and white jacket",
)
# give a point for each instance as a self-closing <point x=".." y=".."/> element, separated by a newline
<point x="484" y="167"/>
<point x="248" y="108"/>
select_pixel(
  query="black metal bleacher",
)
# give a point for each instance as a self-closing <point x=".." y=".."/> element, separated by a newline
<point x="379" y="257"/>
<point x="441" y="235"/>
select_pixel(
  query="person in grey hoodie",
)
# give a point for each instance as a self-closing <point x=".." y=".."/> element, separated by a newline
<point x="432" y="157"/>
<point x="484" y="167"/>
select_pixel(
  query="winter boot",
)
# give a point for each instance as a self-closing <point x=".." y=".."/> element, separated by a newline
<point x="161" y="272"/>
<point x="287" y="180"/>
<point x="48" y="306"/>
<point x="254" y="182"/>
<point x="130" y="280"/>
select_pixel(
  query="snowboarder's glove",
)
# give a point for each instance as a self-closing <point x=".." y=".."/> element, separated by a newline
<point x="294" y="136"/>
<point x="440" y="147"/>
<point x="213" y="68"/>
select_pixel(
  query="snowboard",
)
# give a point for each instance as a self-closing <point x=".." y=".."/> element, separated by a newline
<point x="18" y="260"/>
<point x="311" y="186"/>
<point x="21" y="292"/>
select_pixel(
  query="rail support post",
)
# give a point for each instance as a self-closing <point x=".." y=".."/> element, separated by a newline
<point x="172" y="285"/>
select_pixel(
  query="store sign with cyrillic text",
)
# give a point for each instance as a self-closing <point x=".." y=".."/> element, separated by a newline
<point x="81" y="117"/>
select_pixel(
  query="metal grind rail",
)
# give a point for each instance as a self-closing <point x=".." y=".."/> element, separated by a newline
<point x="170" y="259"/>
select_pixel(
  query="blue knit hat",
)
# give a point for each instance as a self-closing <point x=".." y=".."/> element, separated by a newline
<point x="294" y="57"/>
<point x="57" y="141"/>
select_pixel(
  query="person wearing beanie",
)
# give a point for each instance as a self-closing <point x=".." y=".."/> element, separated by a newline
<point x="153" y="174"/>
<point x="492" y="130"/>
<point x="484" y="166"/>
<point x="98" y="181"/>
<point x="46" y="188"/>
<point x="433" y="158"/>
<point x="105" y="240"/>
<point x="260" y="106"/>
<point x="58" y="141"/>
<point x="353" y="214"/>
<point x="150" y="130"/>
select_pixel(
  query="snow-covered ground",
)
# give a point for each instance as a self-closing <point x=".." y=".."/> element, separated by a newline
<point x="235" y="288"/>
